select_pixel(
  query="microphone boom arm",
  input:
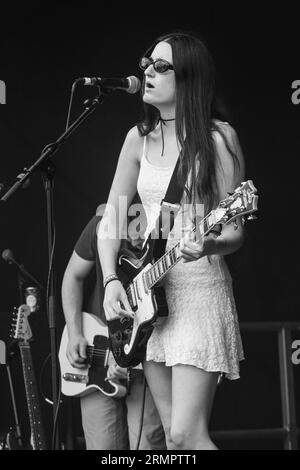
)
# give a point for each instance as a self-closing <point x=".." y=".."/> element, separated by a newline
<point x="51" y="149"/>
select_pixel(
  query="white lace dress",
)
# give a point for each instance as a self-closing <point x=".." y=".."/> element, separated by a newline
<point x="202" y="326"/>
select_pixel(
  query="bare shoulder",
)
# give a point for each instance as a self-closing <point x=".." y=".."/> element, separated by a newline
<point x="228" y="152"/>
<point x="224" y="129"/>
<point x="133" y="135"/>
<point x="128" y="167"/>
<point x="134" y="144"/>
<point x="226" y="138"/>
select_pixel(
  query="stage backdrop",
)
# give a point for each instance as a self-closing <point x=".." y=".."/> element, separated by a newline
<point x="41" y="56"/>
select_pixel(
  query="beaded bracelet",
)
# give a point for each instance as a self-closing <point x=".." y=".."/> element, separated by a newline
<point x="109" y="278"/>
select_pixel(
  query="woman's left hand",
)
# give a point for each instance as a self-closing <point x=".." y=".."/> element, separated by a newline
<point x="192" y="249"/>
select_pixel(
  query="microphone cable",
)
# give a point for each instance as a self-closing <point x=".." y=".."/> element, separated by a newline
<point x="70" y="105"/>
<point x="56" y="412"/>
<point x="51" y="261"/>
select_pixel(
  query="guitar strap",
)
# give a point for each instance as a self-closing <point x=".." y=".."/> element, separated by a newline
<point x="169" y="207"/>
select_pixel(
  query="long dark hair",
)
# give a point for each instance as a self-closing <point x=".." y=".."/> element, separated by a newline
<point x="196" y="109"/>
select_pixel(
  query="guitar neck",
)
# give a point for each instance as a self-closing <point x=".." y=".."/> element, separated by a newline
<point x="34" y="411"/>
<point x="171" y="257"/>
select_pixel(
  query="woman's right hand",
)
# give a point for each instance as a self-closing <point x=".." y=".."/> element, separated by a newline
<point x="115" y="302"/>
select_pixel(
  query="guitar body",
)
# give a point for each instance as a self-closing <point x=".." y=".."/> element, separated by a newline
<point x="80" y="382"/>
<point x="128" y="337"/>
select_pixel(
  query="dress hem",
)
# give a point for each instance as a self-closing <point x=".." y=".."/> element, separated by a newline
<point x="230" y="375"/>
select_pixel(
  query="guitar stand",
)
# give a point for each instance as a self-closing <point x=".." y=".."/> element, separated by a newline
<point x="5" y="358"/>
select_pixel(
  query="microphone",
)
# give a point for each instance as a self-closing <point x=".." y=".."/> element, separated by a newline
<point x="130" y="84"/>
<point x="8" y="256"/>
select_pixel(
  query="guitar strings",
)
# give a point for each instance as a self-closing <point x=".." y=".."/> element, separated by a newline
<point x="172" y="250"/>
<point x="96" y="351"/>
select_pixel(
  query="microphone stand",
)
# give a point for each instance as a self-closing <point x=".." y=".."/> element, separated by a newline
<point x="22" y="275"/>
<point x="23" y="272"/>
<point x="48" y="168"/>
<point x="21" y="282"/>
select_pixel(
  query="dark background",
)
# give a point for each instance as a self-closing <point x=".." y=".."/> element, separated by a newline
<point x="257" y="58"/>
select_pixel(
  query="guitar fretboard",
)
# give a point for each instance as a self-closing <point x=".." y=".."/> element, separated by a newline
<point x="239" y="203"/>
<point x="172" y="256"/>
<point x="37" y="431"/>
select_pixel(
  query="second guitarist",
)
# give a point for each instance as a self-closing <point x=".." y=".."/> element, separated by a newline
<point x="109" y="423"/>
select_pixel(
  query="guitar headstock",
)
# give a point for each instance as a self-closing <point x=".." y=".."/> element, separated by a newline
<point x="241" y="202"/>
<point x="20" y="327"/>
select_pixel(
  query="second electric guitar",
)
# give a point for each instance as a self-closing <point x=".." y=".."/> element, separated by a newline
<point x="79" y="382"/>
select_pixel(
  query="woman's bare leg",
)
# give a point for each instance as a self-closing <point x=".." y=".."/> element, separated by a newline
<point x="193" y="392"/>
<point x="159" y="379"/>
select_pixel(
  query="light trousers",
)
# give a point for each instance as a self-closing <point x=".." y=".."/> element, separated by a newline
<point x="114" y="423"/>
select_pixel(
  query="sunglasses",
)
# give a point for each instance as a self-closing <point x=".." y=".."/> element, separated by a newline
<point x="159" y="65"/>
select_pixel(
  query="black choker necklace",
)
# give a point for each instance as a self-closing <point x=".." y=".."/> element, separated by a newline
<point x="163" y="121"/>
<point x="166" y="120"/>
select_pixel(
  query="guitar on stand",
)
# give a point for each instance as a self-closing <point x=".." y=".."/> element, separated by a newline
<point x="23" y="334"/>
<point x="12" y="439"/>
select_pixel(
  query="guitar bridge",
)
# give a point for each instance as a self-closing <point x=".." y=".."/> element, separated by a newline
<point x="78" y="378"/>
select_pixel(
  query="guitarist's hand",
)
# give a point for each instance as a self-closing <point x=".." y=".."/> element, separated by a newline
<point x="115" y="299"/>
<point x="117" y="372"/>
<point x="76" y="351"/>
<point x="192" y="250"/>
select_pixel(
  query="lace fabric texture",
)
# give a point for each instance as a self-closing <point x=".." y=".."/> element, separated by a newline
<point x="202" y="326"/>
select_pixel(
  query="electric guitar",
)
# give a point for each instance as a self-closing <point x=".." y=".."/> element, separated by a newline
<point x="80" y="382"/>
<point x="22" y="332"/>
<point x="141" y="274"/>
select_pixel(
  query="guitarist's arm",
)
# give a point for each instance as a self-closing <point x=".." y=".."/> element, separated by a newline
<point x="228" y="176"/>
<point x="72" y="298"/>
<point x="114" y="222"/>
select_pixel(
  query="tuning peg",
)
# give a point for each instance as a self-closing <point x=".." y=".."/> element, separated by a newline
<point x="251" y="217"/>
